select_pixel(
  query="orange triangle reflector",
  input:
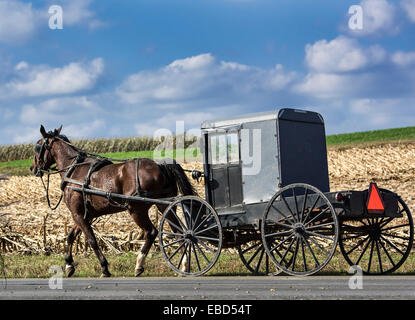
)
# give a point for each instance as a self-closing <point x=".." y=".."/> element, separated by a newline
<point x="374" y="200"/>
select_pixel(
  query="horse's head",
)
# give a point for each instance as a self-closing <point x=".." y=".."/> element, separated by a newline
<point x="43" y="158"/>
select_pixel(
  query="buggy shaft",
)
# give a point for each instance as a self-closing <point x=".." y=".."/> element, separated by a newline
<point x="122" y="196"/>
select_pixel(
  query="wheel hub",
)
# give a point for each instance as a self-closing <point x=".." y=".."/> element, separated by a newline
<point x="299" y="229"/>
<point x="375" y="232"/>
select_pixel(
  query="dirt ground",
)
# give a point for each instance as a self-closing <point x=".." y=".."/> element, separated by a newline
<point x="28" y="225"/>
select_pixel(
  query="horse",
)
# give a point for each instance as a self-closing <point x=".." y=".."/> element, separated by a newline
<point x="140" y="176"/>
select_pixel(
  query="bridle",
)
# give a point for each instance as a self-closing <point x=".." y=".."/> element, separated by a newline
<point x="40" y="150"/>
<point x="40" y="164"/>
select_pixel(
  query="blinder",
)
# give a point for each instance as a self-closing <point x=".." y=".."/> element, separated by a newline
<point x="40" y="152"/>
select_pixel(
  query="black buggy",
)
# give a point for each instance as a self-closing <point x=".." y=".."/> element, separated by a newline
<point x="268" y="196"/>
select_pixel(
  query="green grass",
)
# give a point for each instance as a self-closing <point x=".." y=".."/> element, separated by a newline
<point x="406" y="133"/>
<point x="122" y="265"/>
<point x="21" y="167"/>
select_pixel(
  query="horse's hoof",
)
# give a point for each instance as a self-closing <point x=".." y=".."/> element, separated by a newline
<point x="139" y="271"/>
<point x="105" y="275"/>
<point x="69" y="269"/>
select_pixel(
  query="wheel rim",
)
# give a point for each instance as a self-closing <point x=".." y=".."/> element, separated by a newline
<point x="378" y="245"/>
<point x="190" y="236"/>
<point x="256" y="260"/>
<point x="300" y="229"/>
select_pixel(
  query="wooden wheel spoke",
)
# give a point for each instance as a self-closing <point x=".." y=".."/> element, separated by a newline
<point x="288" y="207"/>
<point x="173" y="242"/>
<point x="319" y="235"/>
<point x="357" y="245"/>
<point x="178" y="219"/>
<point x="363" y="252"/>
<point x="203" y="254"/>
<point x="396" y="227"/>
<point x="295" y="254"/>
<point x="318" y="215"/>
<point x="311" y="209"/>
<point x="254" y="255"/>
<point x="259" y="260"/>
<point x="387" y="253"/>
<point x="319" y="246"/>
<point x="285" y="216"/>
<point x="311" y="251"/>
<point x="173" y="234"/>
<point x="174" y="225"/>
<point x="371" y="255"/>
<point x="196" y="257"/>
<point x="379" y="257"/>
<point x="204" y="230"/>
<point x="392" y="245"/>
<point x="395" y="236"/>
<point x="320" y="225"/>
<point x="281" y="243"/>
<point x="204" y="220"/>
<point x="251" y="247"/>
<point x="177" y="250"/>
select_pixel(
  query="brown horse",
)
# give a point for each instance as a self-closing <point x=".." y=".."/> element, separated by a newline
<point x="133" y="177"/>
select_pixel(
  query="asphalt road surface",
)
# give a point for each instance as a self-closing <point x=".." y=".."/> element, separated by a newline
<point x="213" y="288"/>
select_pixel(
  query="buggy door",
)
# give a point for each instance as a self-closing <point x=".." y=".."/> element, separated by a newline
<point x="225" y="178"/>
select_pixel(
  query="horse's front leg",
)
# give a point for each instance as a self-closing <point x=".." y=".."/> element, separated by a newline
<point x="92" y="241"/>
<point x="70" y="268"/>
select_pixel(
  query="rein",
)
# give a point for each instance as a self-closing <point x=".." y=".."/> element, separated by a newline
<point x="46" y="187"/>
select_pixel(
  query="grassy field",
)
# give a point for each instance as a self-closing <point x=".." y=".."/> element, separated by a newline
<point x="407" y="133"/>
<point x="122" y="265"/>
<point x="21" y="167"/>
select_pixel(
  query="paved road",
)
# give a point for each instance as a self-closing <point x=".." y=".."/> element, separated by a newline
<point x="217" y="288"/>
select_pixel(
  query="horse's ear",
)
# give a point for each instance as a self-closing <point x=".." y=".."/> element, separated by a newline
<point x="59" y="130"/>
<point x="43" y="131"/>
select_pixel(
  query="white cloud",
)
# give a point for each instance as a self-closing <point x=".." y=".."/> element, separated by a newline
<point x="43" y="80"/>
<point x="379" y="17"/>
<point x="17" y="21"/>
<point x="201" y="77"/>
<point x="409" y="7"/>
<point x="78" y="12"/>
<point x="60" y="110"/>
<point x="168" y="123"/>
<point x="403" y="59"/>
<point x="340" y="55"/>
<point x="20" y="21"/>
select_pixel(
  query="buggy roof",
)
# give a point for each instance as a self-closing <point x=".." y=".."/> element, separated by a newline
<point x="284" y="113"/>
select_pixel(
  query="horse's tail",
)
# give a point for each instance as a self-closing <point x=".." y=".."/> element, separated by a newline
<point x="175" y="173"/>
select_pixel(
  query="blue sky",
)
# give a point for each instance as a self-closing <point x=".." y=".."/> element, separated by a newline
<point x="128" y="68"/>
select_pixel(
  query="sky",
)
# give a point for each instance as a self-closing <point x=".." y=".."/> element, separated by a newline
<point x="131" y="68"/>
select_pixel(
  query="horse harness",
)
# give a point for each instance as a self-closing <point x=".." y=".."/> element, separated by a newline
<point x="98" y="163"/>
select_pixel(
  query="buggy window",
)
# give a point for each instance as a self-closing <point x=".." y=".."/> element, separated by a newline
<point x="224" y="148"/>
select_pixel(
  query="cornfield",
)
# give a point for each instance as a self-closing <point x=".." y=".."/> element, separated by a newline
<point x="101" y="145"/>
<point x="27" y="225"/>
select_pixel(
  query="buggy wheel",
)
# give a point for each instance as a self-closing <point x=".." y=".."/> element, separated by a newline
<point x="256" y="260"/>
<point x="378" y="245"/>
<point x="190" y="236"/>
<point x="300" y="229"/>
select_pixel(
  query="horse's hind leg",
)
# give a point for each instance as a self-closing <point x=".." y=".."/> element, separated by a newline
<point x="70" y="268"/>
<point x="141" y="218"/>
<point x="173" y="218"/>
